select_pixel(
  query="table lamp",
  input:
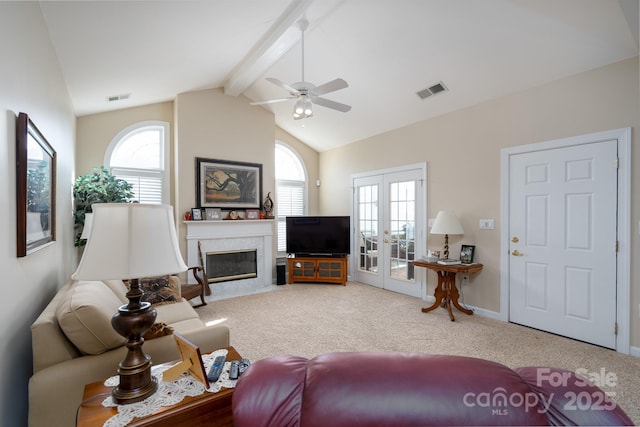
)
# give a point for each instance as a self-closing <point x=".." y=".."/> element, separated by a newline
<point x="446" y="223"/>
<point x="130" y="241"/>
<point x="86" y="228"/>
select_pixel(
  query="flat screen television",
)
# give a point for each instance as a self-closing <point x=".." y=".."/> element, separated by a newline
<point x="318" y="235"/>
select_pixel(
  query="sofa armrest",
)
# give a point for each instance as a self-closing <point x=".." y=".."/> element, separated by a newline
<point x="272" y="392"/>
<point x="570" y="399"/>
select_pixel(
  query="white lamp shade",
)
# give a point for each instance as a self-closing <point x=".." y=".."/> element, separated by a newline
<point x="129" y="241"/>
<point x="86" y="229"/>
<point x="446" y="223"/>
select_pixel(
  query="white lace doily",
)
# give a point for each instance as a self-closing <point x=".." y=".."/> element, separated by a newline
<point x="168" y="393"/>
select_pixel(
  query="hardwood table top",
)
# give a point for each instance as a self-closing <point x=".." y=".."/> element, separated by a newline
<point x="451" y="268"/>
<point x="191" y="411"/>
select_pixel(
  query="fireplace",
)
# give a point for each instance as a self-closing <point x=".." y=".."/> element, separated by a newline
<point x="245" y="238"/>
<point x="231" y="265"/>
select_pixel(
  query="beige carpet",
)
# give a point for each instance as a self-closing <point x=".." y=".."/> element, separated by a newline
<point x="309" y="319"/>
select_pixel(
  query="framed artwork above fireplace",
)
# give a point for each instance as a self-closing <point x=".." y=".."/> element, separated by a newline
<point x="228" y="184"/>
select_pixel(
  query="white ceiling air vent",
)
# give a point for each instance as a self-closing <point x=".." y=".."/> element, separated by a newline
<point x="114" y="98"/>
<point x="432" y="90"/>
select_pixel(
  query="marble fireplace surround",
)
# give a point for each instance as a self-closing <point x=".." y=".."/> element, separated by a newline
<point x="230" y="235"/>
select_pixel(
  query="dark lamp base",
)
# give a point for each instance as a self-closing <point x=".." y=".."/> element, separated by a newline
<point x="132" y="321"/>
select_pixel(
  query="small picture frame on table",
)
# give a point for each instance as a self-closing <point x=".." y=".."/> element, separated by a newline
<point x="252" y="214"/>
<point x="213" y="214"/>
<point x="466" y="254"/>
<point x="190" y="361"/>
<point x="196" y="214"/>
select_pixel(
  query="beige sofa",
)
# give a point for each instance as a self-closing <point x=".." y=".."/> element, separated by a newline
<point x="74" y="344"/>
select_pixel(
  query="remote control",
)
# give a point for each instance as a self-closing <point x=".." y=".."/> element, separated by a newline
<point x="244" y="364"/>
<point x="216" y="368"/>
<point x="234" y="371"/>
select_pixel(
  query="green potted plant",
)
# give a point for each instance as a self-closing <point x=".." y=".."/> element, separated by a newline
<point x="97" y="187"/>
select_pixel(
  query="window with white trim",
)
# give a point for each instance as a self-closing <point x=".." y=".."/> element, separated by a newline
<point x="139" y="154"/>
<point x="291" y="190"/>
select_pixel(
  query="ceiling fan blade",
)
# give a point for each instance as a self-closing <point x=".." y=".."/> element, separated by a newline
<point x="272" y="101"/>
<point x="331" y="104"/>
<point x="283" y="85"/>
<point x="331" y="86"/>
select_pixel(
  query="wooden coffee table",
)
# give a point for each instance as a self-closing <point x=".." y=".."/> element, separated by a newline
<point x="210" y="409"/>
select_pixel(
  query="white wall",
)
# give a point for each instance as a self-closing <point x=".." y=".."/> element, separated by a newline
<point x="30" y="82"/>
<point x="462" y="150"/>
<point x="210" y="124"/>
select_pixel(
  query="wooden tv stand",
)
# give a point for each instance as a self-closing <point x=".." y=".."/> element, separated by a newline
<point x="325" y="269"/>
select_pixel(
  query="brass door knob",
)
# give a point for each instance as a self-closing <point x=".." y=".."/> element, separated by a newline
<point x="516" y="252"/>
<point x="515" y="239"/>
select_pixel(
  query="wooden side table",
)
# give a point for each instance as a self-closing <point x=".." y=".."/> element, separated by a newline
<point x="446" y="292"/>
<point x="210" y="409"/>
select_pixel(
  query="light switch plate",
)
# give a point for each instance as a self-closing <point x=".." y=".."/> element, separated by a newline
<point x="487" y="224"/>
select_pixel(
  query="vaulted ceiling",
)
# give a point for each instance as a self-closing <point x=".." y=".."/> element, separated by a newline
<point x="387" y="51"/>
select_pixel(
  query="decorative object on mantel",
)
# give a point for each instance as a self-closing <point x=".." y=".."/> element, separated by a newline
<point x="252" y="214"/>
<point x="35" y="188"/>
<point x="131" y="241"/>
<point x="196" y="214"/>
<point x="268" y="206"/>
<point x="233" y="215"/>
<point x="227" y="184"/>
<point x="446" y="223"/>
<point x="212" y="214"/>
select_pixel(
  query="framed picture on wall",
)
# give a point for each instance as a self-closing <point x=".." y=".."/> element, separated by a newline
<point x="227" y="184"/>
<point x="466" y="254"/>
<point x="35" y="188"/>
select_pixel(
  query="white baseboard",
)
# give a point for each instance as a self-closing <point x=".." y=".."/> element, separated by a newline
<point x="485" y="313"/>
<point x="634" y="351"/>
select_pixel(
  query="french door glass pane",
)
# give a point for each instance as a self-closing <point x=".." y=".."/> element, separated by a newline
<point x="402" y="223"/>
<point x="368" y="226"/>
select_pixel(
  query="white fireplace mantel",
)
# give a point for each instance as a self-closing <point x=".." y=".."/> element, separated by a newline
<point x="226" y="235"/>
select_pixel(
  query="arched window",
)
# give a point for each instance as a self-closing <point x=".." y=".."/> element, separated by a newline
<point x="291" y="189"/>
<point x="139" y="154"/>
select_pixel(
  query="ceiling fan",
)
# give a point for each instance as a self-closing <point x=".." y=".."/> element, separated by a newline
<point x="306" y="93"/>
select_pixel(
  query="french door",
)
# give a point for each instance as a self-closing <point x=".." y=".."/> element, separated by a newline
<point x="388" y="212"/>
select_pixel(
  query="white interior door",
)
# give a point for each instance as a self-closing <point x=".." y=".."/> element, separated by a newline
<point x="386" y="206"/>
<point x="562" y="225"/>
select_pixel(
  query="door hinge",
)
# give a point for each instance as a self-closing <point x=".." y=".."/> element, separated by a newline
<point x="617" y="246"/>
<point x="615" y="329"/>
<point x="617" y="162"/>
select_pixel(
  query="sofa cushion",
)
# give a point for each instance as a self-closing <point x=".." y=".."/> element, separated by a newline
<point x="159" y="290"/>
<point x="85" y="317"/>
<point x="119" y="289"/>
<point x="174" y="313"/>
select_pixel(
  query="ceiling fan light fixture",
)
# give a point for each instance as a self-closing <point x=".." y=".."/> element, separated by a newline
<point x="307" y="109"/>
<point x="302" y="110"/>
<point x="299" y="107"/>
